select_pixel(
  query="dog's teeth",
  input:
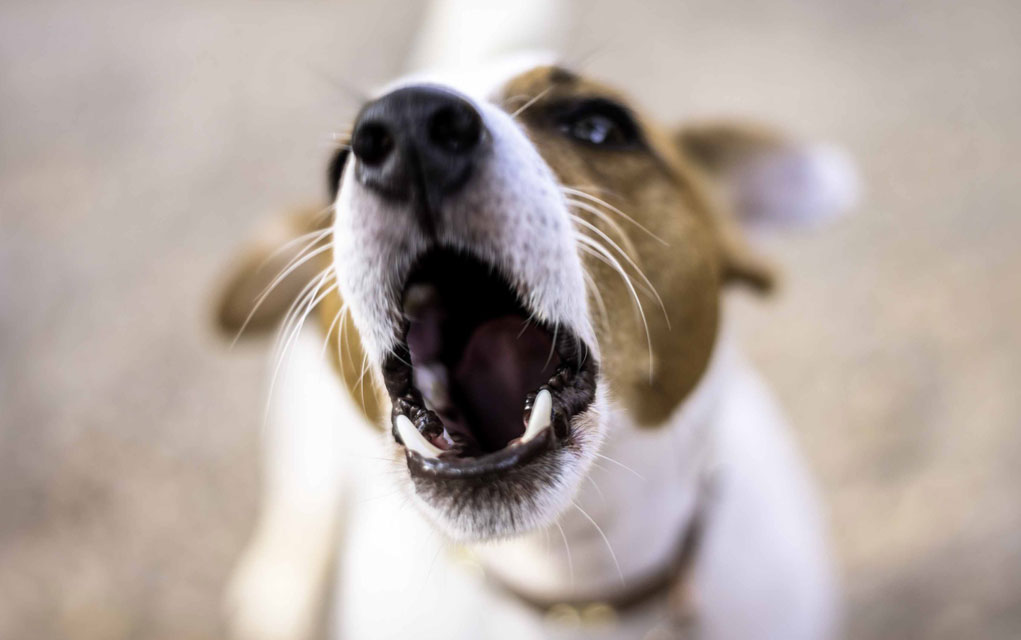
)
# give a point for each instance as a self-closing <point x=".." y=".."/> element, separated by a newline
<point x="542" y="416"/>
<point x="414" y="440"/>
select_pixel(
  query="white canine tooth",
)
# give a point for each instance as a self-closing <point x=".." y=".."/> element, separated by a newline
<point x="414" y="440"/>
<point x="542" y="416"/>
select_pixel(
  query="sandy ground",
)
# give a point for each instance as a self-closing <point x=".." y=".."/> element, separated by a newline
<point x="138" y="146"/>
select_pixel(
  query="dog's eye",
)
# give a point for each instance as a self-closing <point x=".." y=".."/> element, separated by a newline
<point x="600" y="123"/>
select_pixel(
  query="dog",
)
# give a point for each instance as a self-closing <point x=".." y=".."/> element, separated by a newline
<point x="510" y="405"/>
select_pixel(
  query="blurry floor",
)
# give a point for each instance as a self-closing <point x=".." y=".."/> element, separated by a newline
<point x="138" y="145"/>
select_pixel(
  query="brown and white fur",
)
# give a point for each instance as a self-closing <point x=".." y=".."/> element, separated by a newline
<point x="681" y="428"/>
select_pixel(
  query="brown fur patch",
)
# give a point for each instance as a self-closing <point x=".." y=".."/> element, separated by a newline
<point x="659" y="188"/>
<point x="264" y="256"/>
<point x="257" y="267"/>
<point x="348" y="358"/>
<point x="688" y="249"/>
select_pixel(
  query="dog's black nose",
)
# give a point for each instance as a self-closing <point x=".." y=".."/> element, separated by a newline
<point x="417" y="142"/>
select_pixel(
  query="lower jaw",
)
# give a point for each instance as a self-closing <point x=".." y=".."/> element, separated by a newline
<point x="476" y="508"/>
<point x="569" y="392"/>
<point x="491" y="464"/>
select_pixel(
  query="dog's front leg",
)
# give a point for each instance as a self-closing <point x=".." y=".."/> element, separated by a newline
<point x="277" y="588"/>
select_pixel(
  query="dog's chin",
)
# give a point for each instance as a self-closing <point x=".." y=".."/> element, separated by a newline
<point x="494" y="411"/>
<point x="523" y="498"/>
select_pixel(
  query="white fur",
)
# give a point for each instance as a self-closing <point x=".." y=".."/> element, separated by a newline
<point x="511" y="215"/>
<point x="276" y="588"/>
<point x="761" y="570"/>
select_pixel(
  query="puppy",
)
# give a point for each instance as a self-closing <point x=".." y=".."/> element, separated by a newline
<point x="509" y="405"/>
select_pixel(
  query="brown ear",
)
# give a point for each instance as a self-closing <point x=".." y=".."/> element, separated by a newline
<point x="249" y="302"/>
<point x="719" y="150"/>
<point x="742" y="264"/>
<point x="721" y="147"/>
<point x="766" y="179"/>
<point x="769" y="179"/>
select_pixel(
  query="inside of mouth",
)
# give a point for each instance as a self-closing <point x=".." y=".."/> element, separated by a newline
<point x="475" y="352"/>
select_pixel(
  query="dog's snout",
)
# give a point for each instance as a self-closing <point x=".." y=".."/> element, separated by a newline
<point x="418" y="142"/>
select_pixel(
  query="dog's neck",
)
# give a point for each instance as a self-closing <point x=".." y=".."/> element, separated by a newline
<point x="639" y="500"/>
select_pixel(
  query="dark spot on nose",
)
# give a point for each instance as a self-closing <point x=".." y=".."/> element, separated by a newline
<point x="418" y="144"/>
<point x="372" y="143"/>
<point x="455" y="128"/>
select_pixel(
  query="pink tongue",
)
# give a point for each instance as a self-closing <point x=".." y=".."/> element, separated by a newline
<point x="500" y="365"/>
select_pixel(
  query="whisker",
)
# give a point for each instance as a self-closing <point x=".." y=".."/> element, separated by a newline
<point x="514" y="98"/>
<point x="304" y="296"/>
<point x="587" y="189"/>
<point x="567" y="549"/>
<point x="524" y="327"/>
<point x="553" y="346"/>
<point x="634" y="265"/>
<point x="602" y="215"/>
<point x="361" y="378"/>
<point x="600" y="302"/>
<point x="402" y="359"/>
<point x="287" y="333"/>
<point x="342" y="351"/>
<point x="298" y="320"/>
<point x="596" y="250"/>
<point x="323" y="214"/>
<point x="300" y="323"/>
<point x="332" y="145"/>
<point x="295" y="263"/>
<point x="329" y="332"/>
<point x="588" y="196"/>
<point x="595" y="486"/>
<point x="535" y="99"/>
<point x="287" y="270"/>
<point x="432" y="564"/>
<point x="581" y="61"/>
<point x="606" y="540"/>
<point x="299" y="307"/>
<point x="349" y="89"/>
<point x="318" y="233"/>
<point x="276" y="282"/>
<point x="621" y="465"/>
<point x="342" y="137"/>
<point x="580" y="347"/>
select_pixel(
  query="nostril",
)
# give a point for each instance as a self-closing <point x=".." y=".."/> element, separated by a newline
<point x="455" y="128"/>
<point x="372" y="143"/>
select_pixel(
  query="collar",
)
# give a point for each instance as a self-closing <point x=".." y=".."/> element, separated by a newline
<point x="673" y="583"/>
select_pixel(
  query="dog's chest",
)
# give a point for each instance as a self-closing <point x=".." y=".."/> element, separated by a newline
<point x="401" y="578"/>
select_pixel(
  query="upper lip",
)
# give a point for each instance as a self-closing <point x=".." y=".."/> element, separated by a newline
<point x="476" y="434"/>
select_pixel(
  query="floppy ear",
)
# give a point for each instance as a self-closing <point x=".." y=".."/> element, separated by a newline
<point x="277" y="247"/>
<point x="251" y="301"/>
<point x="289" y="244"/>
<point x="767" y="181"/>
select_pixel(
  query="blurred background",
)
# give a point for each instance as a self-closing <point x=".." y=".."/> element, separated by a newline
<point x="141" y="143"/>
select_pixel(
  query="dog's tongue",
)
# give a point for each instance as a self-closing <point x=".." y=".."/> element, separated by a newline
<point x="502" y="362"/>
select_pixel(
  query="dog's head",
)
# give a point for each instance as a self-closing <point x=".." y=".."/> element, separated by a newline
<point x="516" y="260"/>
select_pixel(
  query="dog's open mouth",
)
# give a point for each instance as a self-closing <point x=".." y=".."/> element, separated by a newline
<point x="480" y="385"/>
